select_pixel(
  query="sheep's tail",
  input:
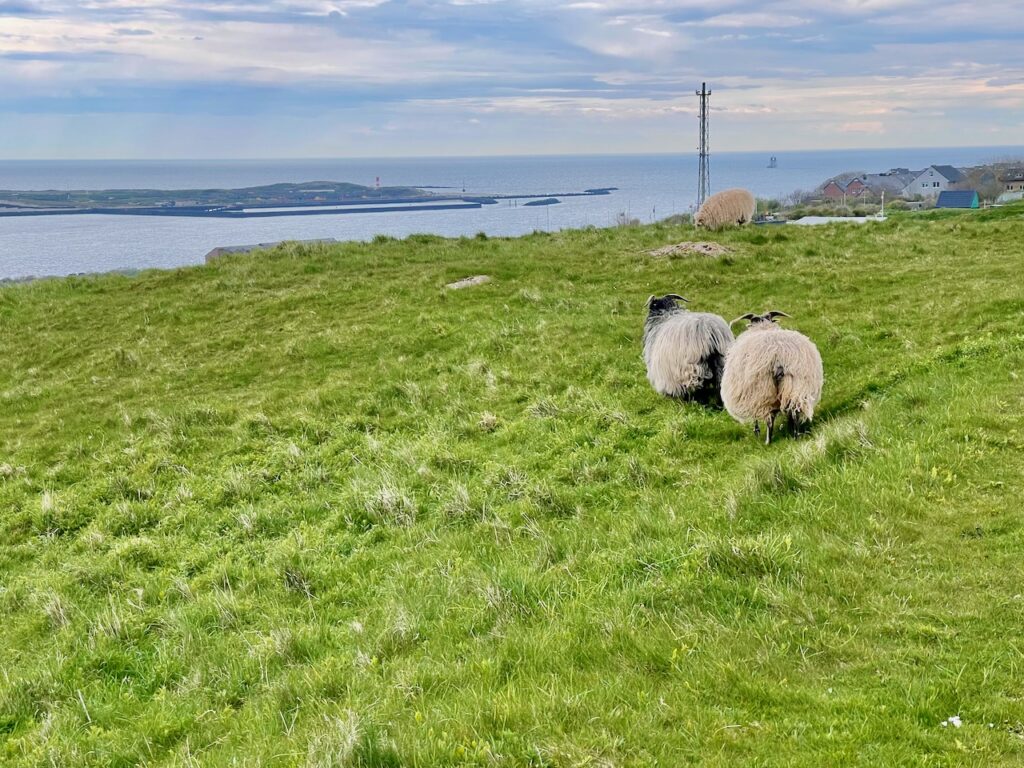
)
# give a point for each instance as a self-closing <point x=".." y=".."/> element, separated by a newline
<point x="796" y="398"/>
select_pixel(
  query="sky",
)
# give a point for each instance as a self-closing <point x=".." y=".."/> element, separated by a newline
<point x="380" y="78"/>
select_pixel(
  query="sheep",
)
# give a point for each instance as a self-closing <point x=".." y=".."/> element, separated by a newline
<point x="684" y="351"/>
<point x="771" y="370"/>
<point x="733" y="206"/>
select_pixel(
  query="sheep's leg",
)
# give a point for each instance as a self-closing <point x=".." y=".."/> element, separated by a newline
<point x="757" y="428"/>
<point x="792" y="424"/>
<point x="769" y="424"/>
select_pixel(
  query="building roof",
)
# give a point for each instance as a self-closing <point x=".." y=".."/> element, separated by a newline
<point x="893" y="181"/>
<point x="957" y="199"/>
<point x="1012" y="174"/>
<point x="843" y="182"/>
<point x="950" y="173"/>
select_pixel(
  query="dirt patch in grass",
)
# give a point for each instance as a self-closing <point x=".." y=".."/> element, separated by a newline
<point x="679" y="250"/>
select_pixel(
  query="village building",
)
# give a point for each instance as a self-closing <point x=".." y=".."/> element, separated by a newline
<point x="833" y="190"/>
<point x="856" y="188"/>
<point x="837" y="189"/>
<point x="903" y="182"/>
<point x="893" y="182"/>
<point x="1012" y="180"/>
<point x="933" y="181"/>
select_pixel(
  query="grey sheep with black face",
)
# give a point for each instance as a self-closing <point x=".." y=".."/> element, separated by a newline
<point x="771" y="371"/>
<point x="684" y="351"/>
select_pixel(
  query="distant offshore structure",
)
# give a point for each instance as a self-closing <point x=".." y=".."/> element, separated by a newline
<point x="774" y="162"/>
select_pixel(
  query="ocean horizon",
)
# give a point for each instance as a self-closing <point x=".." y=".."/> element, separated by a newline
<point x="650" y="187"/>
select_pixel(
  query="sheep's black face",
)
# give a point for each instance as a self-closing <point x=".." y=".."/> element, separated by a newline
<point x="767" y="318"/>
<point x="660" y="306"/>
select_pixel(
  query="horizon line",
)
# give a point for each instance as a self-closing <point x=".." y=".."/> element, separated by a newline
<point x="299" y="158"/>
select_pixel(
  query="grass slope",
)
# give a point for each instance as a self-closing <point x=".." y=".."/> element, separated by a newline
<point x="310" y="509"/>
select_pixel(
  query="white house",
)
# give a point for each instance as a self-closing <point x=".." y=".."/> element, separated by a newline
<point x="933" y="180"/>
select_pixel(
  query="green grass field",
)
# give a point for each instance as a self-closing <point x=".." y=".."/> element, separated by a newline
<point x="308" y="508"/>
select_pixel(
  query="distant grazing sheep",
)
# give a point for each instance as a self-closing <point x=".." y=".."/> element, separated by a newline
<point x="771" y="370"/>
<point x="684" y="351"/>
<point x="733" y="206"/>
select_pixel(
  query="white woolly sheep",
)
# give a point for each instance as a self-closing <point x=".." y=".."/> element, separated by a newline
<point x="684" y="351"/>
<point x="733" y="206"/>
<point x="770" y="370"/>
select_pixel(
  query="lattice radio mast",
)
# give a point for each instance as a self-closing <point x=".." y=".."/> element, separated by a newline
<point x="704" y="171"/>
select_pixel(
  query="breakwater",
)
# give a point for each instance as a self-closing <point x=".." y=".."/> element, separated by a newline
<point x="287" y="207"/>
<point x="250" y="212"/>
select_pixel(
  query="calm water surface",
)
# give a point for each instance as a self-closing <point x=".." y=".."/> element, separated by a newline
<point x="651" y="187"/>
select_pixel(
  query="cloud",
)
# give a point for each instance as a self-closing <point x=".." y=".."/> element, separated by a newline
<point x="751" y="20"/>
<point x="803" y="69"/>
<point x="864" y="126"/>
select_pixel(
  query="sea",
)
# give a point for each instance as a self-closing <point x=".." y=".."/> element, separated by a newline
<point x="649" y="188"/>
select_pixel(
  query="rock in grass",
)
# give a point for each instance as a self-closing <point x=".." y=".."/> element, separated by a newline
<point x="468" y="282"/>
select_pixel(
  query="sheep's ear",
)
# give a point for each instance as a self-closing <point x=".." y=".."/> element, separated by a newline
<point x="748" y="316"/>
<point x="676" y="296"/>
<point x="775" y="313"/>
<point x="649" y="300"/>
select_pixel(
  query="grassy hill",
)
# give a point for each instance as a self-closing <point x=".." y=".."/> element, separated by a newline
<point x="310" y="509"/>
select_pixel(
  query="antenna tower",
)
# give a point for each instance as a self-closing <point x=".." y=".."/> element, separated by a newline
<point x="703" y="172"/>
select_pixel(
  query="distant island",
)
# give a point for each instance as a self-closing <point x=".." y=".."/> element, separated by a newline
<point x="308" y="193"/>
<point x="307" y="198"/>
